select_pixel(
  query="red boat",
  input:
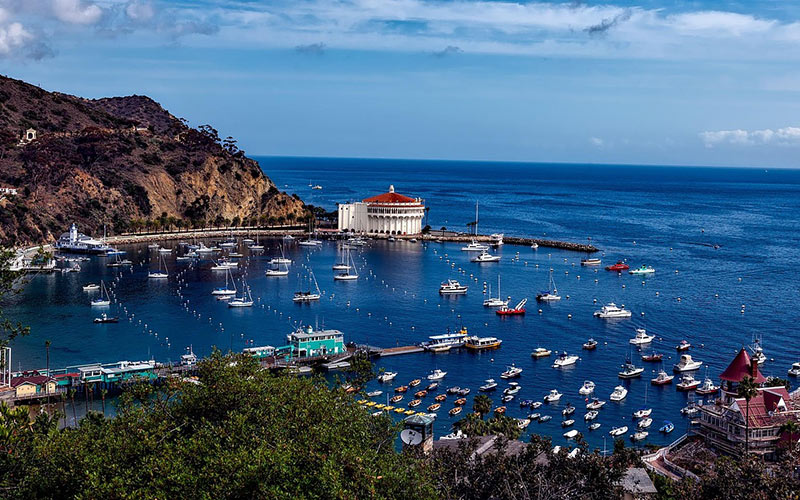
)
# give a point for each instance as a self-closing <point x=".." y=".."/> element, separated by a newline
<point x="517" y="310"/>
<point x="618" y="267"/>
<point x="652" y="357"/>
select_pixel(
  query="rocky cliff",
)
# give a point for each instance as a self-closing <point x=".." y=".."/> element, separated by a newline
<point x="123" y="162"/>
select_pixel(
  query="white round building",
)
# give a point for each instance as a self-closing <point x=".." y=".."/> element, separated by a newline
<point x="387" y="213"/>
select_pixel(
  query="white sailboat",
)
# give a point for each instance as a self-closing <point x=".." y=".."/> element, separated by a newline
<point x="256" y="245"/>
<point x="280" y="266"/>
<point x="226" y="292"/>
<point x="495" y="302"/>
<point x="308" y="296"/>
<point x="551" y="294"/>
<point x="159" y="274"/>
<point x="104" y="299"/>
<point x="347" y="275"/>
<point x="246" y="300"/>
<point x="342" y="265"/>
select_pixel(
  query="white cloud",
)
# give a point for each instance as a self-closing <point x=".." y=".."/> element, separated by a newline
<point x="596" y="141"/>
<point x="13" y="38"/>
<point x="139" y="11"/>
<point x="77" y="11"/>
<point x="786" y="136"/>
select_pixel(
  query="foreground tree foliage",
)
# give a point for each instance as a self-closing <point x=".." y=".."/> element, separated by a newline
<point x="534" y="473"/>
<point x="239" y="433"/>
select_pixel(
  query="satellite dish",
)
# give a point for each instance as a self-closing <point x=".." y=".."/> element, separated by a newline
<point x="411" y="437"/>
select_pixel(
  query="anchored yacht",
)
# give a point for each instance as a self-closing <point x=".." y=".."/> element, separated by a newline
<point x="611" y="311"/>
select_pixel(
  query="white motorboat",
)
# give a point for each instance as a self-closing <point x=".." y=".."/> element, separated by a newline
<point x="485" y="256"/>
<point x="534" y="245"/>
<point x="618" y="431"/>
<point x="645" y="423"/>
<point x="642" y="270"/>
<point x="104" y="299"/>
<point x="495" y="301"/>
<point x="794" y="371"/>
<point x="687" y="383"/>
<point x="567" y="423"/>
<point x="164" y="250"/>
<point x="159" y="274"/>
<point x="587" y="388"/>
<point x="452" y="287"/>
<point x="611" y="311"/>
<point x="522" y="423"/>
<point x="594" y="426"/>
<point x="490" y="385"/>
<point x="309" y="243"/>
<point x="591" y="415"/>
<point x="642" y="337"/>
<point x="551" y="294"/>
<point x="541" y="352"/>
<point x="638" y="436"/>
<point x="642" y="412"/>
<point x="565" y="359"/>
<point x="226" y="291"/>
<point x="595" y="404"/>
<point x="512" y="389"/>
<point x="553" y="396"/>
<point x="619" y="393"/>
<point x="224" y="265"/>
<point x="511" y="372"/>
<point x="201" y="248"/>
<point x="758" y="352"/>
<point x="91" y="287"/>
<point x="386" y="377"/>
<point x="437" y="374"/>
<point x="280" y="261"/>
<point x="474" y="246"/>
<point x="591" y="262"/>
<point x="687" y="364"/>
<point x="629" y="370"/>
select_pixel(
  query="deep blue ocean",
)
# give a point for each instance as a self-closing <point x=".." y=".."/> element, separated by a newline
<point x="667" y="217"/>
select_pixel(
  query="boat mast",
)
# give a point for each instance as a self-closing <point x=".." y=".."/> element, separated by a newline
<point x="476" y="218"/>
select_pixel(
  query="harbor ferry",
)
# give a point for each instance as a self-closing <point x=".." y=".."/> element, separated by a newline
<point x="445" y="342"/>
<point x="482" y="343"/>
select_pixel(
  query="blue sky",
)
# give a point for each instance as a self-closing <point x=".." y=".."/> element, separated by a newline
<point x="688" y="83"/>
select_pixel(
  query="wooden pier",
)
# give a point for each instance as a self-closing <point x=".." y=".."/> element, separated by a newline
<point x="396" y="351"/>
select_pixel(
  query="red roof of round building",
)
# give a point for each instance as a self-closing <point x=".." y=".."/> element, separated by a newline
<point x="390" y="197"/>
<point x="741" y="367"/>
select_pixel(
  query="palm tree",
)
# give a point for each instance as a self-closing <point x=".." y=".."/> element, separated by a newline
<point x="482" y="405"/>
<point x="748" y="389"/>
<point x="790" y="427"/>
<point x="47" y="382"/>
<point x="74" y="413"/>
<point x="103" y="393"/>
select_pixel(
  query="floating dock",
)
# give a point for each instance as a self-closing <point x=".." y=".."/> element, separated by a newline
<point x="396" y="351"/>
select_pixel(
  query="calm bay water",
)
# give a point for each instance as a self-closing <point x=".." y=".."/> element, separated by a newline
<point x="665" y="217"/>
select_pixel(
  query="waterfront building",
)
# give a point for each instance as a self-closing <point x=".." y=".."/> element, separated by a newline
<point x="387" y="213"/>
<point x="723" y="423"/>
<point x="260" y="352"/>
<point x="32" y="385"/>
<point x="307" y="342"/>
<point x="73" y="241"/>
<point x="120" y="371"/>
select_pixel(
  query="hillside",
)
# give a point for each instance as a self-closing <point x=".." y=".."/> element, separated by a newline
<point x="124" y="162"/>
